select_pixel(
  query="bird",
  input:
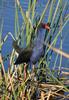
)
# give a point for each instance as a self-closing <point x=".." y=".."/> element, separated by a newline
<point x="32" y="54"/>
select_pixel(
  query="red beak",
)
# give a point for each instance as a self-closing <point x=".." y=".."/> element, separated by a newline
<point x="46" y="26"/>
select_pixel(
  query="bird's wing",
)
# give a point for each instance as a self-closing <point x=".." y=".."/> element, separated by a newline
<point x="24" y="56"/>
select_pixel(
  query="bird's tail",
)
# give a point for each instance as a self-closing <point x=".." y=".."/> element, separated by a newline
<point x="16" y="47"/>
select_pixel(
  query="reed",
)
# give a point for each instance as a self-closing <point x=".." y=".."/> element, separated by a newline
<point x="42" y="82"/>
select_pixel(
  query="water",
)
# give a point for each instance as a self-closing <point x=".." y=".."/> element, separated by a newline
<point x="7" y="12"/>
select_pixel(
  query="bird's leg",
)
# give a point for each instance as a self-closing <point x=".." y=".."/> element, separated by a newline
<point x="25" y="71"/>
<point x="33" y="71"/>
<point x="33" y="68"/>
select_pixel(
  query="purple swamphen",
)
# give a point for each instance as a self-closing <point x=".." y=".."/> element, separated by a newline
<point x="32" y="54"/>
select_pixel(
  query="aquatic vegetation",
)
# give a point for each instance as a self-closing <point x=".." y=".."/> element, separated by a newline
<point x="39" y="82"/>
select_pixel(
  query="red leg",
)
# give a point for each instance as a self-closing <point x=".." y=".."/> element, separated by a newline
<point x="25" y="71"/>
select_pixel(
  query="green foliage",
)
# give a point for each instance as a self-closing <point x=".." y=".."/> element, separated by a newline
<point x="12" y="83"/>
